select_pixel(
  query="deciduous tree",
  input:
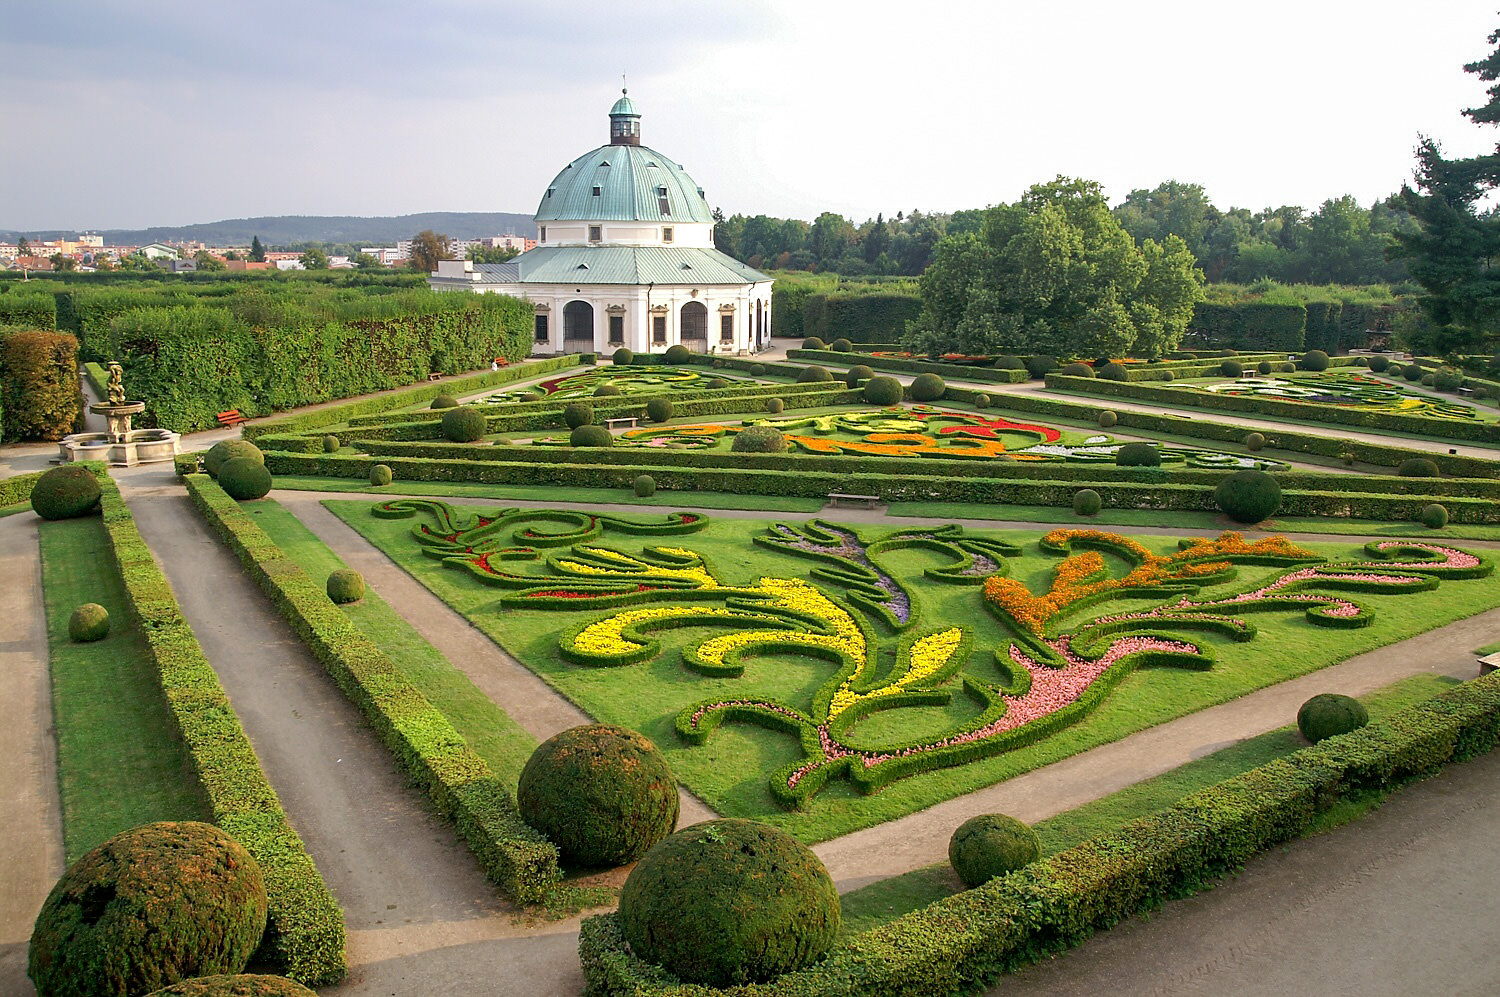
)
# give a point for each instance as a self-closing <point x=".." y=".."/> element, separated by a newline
<point x="427" y="248"/>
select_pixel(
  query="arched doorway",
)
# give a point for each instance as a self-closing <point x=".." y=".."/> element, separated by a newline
<point x="695" y="326"/>
<point x="578" y="327"/>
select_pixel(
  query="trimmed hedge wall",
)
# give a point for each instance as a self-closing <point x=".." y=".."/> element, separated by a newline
<point x="859" y="318"/>
<point x="28" y="311"/>
<point x="306" y="930"/>
<point x="1449" y="429"/>
<point x="989" y="374"/>
<point x="39" y="385"/>
<point x="966" y="941"/>
<point x="461" y="786"/>
<point x="1249" y="325"/>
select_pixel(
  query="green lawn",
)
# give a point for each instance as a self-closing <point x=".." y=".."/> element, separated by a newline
<point x="492" y="734"/>
<point x="730" y="771"/>
<point x="118" y="758"/>
<point x="888" y="899"/>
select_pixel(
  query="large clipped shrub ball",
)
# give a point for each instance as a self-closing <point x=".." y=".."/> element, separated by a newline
<point x="380" y="475"/>
<point x="813" y="375"/>
<point x="226" y="450"/>
<point x="1379" y="362"/>
<point x="444" y="401"/>
<point x="331" y="444"/>
<point x="1248" y="496"/>
<point x="606" y="390"/>
<point x="1167" y="375"/>
<point x="1429" y="380"/>
<point x="1041" y="365"/>
<point x="1314" y="360"/>
<point x="1231" y="368"/>
<point x="775" y="406"/>
<point x="841" y="345"/>
<point x="1264" y="367"/>
<point x="1107" y="419"/>
<point x="1448" y="379"/>
<point x="1413" y="372"/>
<point x="1417" y="467"/>
<point x="65" y="492"/>
<point x="1330" y="713"/>
<point x="463" y="425"/>
<point x="1086" y="502"/>
<point x="814" y="343"/>
<point x="591" y="436"/>
<point x="759" y="439"/>
<point x="345" y="586"/>
<point x="677" y="354"/>
<point x="1078" y="370"/>
<point x="645" y="486"/>
<point x="1254" y="441"/>
<point x="90" y="622"/>
<point x="577" y="414"/>
<point x="715" y="383"/>
<point x="757" y="370"/>
<point x="603" y="794"/>
<point x="1433" y="516"/>
<point x="622" y="357"/>
<point x="1008" y="362"/>
<point x="659" y="409"/>
<point x="928" y="388"/>
<point x="1114" y="372"/>
<point x="883" y="390"/>
<point x="1138" y="455"/>
<point x="982" y="401"/>
<point x="859" y="372"/>
<point x="241" y="985"/>
<point x="729" y="901"/>
<point x="244" y="479"/>
<point x="991" y="845"/>
<point x="149" y="907"/>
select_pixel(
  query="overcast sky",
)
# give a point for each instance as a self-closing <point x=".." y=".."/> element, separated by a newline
<point x="124" y="115"/>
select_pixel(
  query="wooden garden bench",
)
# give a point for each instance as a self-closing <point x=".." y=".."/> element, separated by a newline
<point x="231" y="418"/>
<point x="1489" y="663"/>
<point x="621" y="422"/>
<point x="1466" y="391"/>
<point x="865" y="501"/>
<point x="434" y="377"/>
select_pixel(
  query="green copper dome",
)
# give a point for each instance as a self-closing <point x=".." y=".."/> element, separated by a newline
<point x="624" y="106"/>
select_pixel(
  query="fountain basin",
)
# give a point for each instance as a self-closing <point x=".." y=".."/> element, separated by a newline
<point x="138" y="446"/>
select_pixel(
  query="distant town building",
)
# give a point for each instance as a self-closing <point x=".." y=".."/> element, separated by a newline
<point x="158" y="250"/>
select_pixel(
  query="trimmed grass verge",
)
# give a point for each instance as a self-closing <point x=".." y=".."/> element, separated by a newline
<point x="426" y="746"/>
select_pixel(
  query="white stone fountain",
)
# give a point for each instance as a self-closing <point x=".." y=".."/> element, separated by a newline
<point x="122" y="445"/>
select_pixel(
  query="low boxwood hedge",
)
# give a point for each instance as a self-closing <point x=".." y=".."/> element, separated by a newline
<point x="912" y="366"/>
<point x="966" y="941"/>
<point x="459" y="783"/>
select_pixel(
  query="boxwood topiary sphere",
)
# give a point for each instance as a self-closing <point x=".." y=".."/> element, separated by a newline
<point x="1041" y="365"/>
<point x="226" y="450"/>
<point x="605" y="390"/>
<point x="1086" y="502"/>
<point x="330" y="444"/>
<point x="444" y="401"/>
<point x="1314" y="360"/>
<point x="775" y="405"/>
<point x="1429" y="380"/>
<point x="1433" y="516"/>
<point x="841" y="345"/>
<point x="659" y="409"/>
<point x="1231" y="368"/>
<point x="380" y="475"/>
<point x="1113" y="372"/>
<point x="759" y="439"/>
<point x="1138" y="455"/>
<point x="463" y="425"/>
<point x="1264" y="367"/>
<point x="1248" y="496"/>
<point x="1412" y="372"/>
<point x="1107" y="418"/>
<point x="603" y="794"/>
<point x="241" y="985"/>
<point x="729" y="901"/>
<point x="90" y="622"/>
<point x="813" y="375"/>
<point x="1078" y="370"/>
<point x="859" y="372"/>
<point x="1379" y="362"/>
<point x="1167" y="375"/>
<point x="757" y="370"/>
<point x="622" y="357"/>
<point x="1417" y="467"/>
<point x="1330" y="713"/>
<point x="591" y="436"/>
<point x="1448" y="379"/>
<point x="577" y="414"/>
<point x="1008" y="362"/>
<point x="1286" y="367"/>
<point x="883" y="390"/>
<point x="645" y="485"/>
<point x="927" y="388"/>
<point x="982" y="401"/>
<point x="1254" y="441"/>
<point x="150" y="906"/>
<point x="991" y="845"/>
<point x="677" y="354"/>
<point x="714" y="383"/>
<point x="345" y="586"/>
<point x="244" y="479"/>
<point x="65" y="492"/>
<point x="814" y="343"/>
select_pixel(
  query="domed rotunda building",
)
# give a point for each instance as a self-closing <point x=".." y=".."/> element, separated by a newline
<point x="625" y="257"/>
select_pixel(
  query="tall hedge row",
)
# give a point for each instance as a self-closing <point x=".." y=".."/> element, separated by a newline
<point x="859" y="318"/>
<point x="1323" y="331"/>
<point x="28" y="310"/>
<point x="1249" y="325"/>
<point x="39" y="385"/>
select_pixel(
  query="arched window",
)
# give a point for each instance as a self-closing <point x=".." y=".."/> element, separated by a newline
<point x="695" y="326"/>
<point x="578" y="327"/>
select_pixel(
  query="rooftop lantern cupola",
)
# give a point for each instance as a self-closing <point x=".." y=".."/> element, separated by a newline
<point x="624" y="122"/>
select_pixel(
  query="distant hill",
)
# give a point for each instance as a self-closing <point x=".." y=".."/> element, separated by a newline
<point x="293" y="229"/>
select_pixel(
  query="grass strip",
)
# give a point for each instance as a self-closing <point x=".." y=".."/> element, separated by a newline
<point x="551" y="493"/>
<point x="306" y="930"/>
<point x="119" y="762"/>
<point x="425" y="744"/>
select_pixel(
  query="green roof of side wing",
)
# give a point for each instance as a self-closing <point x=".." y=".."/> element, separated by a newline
<point x="630" y="180"/>
<point x="632" y="265"/>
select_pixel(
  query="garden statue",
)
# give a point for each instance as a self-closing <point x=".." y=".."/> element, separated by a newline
<point x="115" y="391"/>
